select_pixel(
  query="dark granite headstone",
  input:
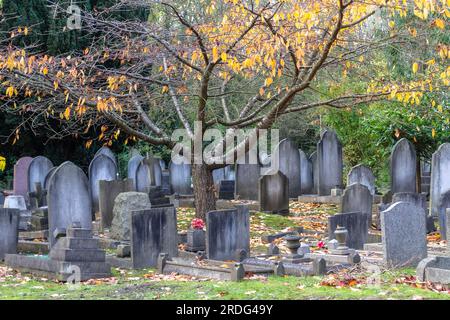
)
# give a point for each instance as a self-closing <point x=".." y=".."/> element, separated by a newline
<point x="9" y="231"/>
<point x="68" y="199"/>
<point x="153" y="231"/>
<point x="403" y="167"/>
<point x="108" y="192"/>
<point x="356" y="224"/>
<point x="226" y="189"/>
<point x="227" y="233"/>
<point x="274" y="193"/>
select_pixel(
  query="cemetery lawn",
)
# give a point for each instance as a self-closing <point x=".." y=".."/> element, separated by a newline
<point x="148" y="285"/>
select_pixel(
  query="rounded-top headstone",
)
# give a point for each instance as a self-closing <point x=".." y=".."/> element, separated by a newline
<point x="306" y="174"/>
<point x="180" y="178"/>
<point x="133" y="164"/>
<point x="37" y="171"/>
<point x="47" y="177"/>
<point x="69" y="199"/>
<point x="363" y="175"/>
<point x="101" y="168"/>
<point x="148" y="173"/>
<point x="20" y="184"/>
<point x="107" y="152"/>
<point x="403" y="167"/>
<point x="288" y="159"/>
<point x="329" y="163"/>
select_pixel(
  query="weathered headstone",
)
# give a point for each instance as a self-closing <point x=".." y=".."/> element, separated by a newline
<point x="102" y="167"/>
<point x="403" y="167"/>
<point x="363" y="175"/>
<point x="274" y="193"/>
<point x="226" y="189"/>
<point x="356" y="224"/>
<point x="165" y="182"/>
<point x="108" y="191"/>
<point x="37" y="171"/>
<point x="20" y="183"/>
<point x="124" y="204"/>
<point x="419" y="200"/>
<point x="47" y="177"/>
<point x="9" y="231"/>
<point x="315" y="169"/>
<point x="218" y="175"/>
<point x="133" y="164"/>
<point x="148" y="174"/>
<point x="306" y="174"/>
<point x="286" y="159"/>
<point x="180" y="178"/>
<point x="444" y="203"/>
<point x="18" y="202"/>
<point x="357" y="198"/>
<point x="153" y="231"/>
<point x="2" y="199"/>
<point x="68" y="199"/>
<point x="107" y="152"/>
<point x="403" y="230"/>
<point x="227" y="233"/>
<point x="329" y="162"/>
<point x="247" y="177"/>
<point x="230" y="173"/>
<point x="440" y="178"/>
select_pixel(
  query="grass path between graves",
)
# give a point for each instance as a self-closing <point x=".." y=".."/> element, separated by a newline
<point x="146" y="284"/>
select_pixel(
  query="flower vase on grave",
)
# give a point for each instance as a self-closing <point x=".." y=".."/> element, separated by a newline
<point x="293" y="243"/>
<point x="196" y="236"/>
<point x="341" y="234"/>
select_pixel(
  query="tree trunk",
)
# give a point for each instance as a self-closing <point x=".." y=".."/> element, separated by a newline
<point x="203" y="182"/>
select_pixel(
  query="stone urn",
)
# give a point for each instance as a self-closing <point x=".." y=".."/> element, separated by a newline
<point x="196" y="240"/>
<point x="341" y="234"/>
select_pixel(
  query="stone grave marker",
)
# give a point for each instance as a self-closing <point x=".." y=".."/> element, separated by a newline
<point x="226" y="189"/>
<point x="274" y="193"/>
<point x="356" y="224"/>
<point x="315" y="170"/>
<point x="68" y="199"/>
<point x="18" y="202"/>
<point x="37" y="171"/>
<point x="247" y="177"/>
<point x="20" y="183"/>
<point x="329" y="162"/>
<point x="440" y="178"/>
<point x="180" y="178"/>
<point x="403" y="229"/>
<point x="419" y="200"/>
<point x="363" y="175"/>
<point x="148" y="174"/>
<point x="107" y="152"/>
<point x="444" y="203"/>
<point x="102" y="167"/>
<point x="286" y="159"/>
<point x="108" y="191"/>
<point x="153" y="231"/>
<point x="306" y="174"/>
<point x="47" y="177"/>
<point x="357" y="198"/>
<point x="227" y="233"/>
<point x="403" y="167"/>
<point x="133" y="164"/>
<point x="9" y="231"/>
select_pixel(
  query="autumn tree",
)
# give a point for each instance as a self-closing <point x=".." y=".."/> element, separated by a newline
<point x="232" y="64"/>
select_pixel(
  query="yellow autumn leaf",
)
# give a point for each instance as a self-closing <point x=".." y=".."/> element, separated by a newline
<point x="433" y="132"/>
<point x="268" y="82"/>
<point x="223" y="56"/>
<point x="215" y="54"/>
<point x="415" y="67"/>
<point x="440" y="23"/>
<point x="2" y="163"/>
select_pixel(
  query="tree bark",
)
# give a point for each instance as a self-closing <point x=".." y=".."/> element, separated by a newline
<point x="203" y="182"/>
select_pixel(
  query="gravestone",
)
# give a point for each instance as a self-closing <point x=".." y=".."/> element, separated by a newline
<point x="403" y="230"/>
<point x="133" y="164"/>
<point x="20" y="183"/>
<point x="47" y="177"/>
<point x="218" y="175"/>
<point x="180" y="178"/>
<point x="108" y="191"/>
<point x="227" y="233"/>
<point x="274" y="193"/>
<point x="165" y="182"/>
<point x="2" y="199"/>
<point x="440" y="178"/>
<point x="102" y="167"/>
<point x="403" y="167"/>
<point x="124" y="204"/>
<point x="226" y="189"/>
<point x="230" y="174"/>
<point x="286" y="159"/>
<point x="419" y="200"/>
<point x="153" y="231"/>
<point x="9" y="231"/>
<point x="315" y="170"/>
<point x="357" y="198"/>
<point x="306" y="174"/>
<point x="356" y="224"/>
<point x="247" y="177"/>
<point x="18" y="202"/>
<point x="107" y="152"/>
<point x="444" y="203"/>
<point x="148" y="174"/>
<point x="68" y="199"/>
<point x="363" y="175"/>
<point x="37" y="171"/>
<point x="329" y="163"/>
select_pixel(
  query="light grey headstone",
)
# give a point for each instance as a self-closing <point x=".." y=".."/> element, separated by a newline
<point x="218" y="175"/>
<point x="148" y="174"/>
<point x="102" y="167"/>
<point x="440" y="178"/>
<point x="180" y="178"/>
<point x="18" y="202"/>
<point x="315" y="170"/>
<point x="330" y="165"/>
<point x="363" y="175"/>
<point x="230" y="173"/>
<point x="153" y="231"/>
<point x="403" y="229"/>
<point x="306" y="174"/>
<point x="444" y="203"/>
<point x="9" y="231"/>
<point x="47" y="177"/>
<point x="247" y="177"/>
<point x="133" y="164"/>
<point x="357" y="198"/>
<point x="107" y="152"/>
<point x="403" y="167"/>
<point x="68" y="199"/>
<point x="227" y="232"/>
<point x="274" y="193"/>
<point x="37" y="171"/>
<point x="20" y="182"/>
<point x="289" y="164"/>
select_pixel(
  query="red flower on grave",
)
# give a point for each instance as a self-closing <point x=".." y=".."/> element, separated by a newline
<point x="197" y="224"/>
<point x="321" y="244"/>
